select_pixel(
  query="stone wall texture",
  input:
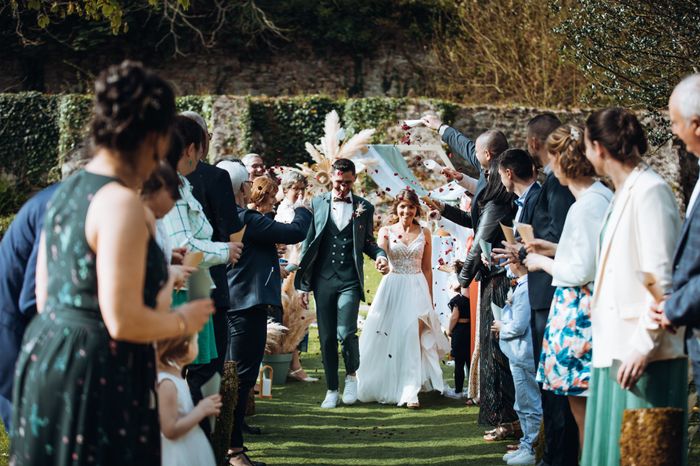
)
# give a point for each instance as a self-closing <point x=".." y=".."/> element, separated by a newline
<point x="284" y="72"/>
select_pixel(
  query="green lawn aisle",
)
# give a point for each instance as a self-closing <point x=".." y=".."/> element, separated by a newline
<point x="298" y="431"/>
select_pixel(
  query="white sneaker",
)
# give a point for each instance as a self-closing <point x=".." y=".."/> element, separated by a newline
<point x="350" y="390"/>
<point x="331" y="400"/>
<point x="510" y="454"/>
<point x="523" y="457"/>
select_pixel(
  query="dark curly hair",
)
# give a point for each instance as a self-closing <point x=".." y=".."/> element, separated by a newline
<point x="619" y="131"/>
<point x="410" y="196"/>
<point x="566" y="144"/>
<point x="130" y="102"/>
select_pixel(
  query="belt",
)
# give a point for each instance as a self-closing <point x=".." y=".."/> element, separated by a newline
<point x="463" y="321"/>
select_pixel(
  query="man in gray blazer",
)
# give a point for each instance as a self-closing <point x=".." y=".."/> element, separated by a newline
<point x="332" y="267"/>
<point x="682" y="306"/>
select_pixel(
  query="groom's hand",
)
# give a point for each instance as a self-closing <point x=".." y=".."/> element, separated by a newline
<point x="382" y="264"/>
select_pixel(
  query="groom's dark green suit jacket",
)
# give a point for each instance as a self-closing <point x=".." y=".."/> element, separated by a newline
<point x="362" y="233"/>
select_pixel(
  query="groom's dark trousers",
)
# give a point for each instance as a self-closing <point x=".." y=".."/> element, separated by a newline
<point x="337" y="305"/>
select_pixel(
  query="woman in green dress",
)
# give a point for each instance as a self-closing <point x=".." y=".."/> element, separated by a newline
<point x="188" y="227"/>
<point x="84" y="384"/>
<point x="636" y="364"/>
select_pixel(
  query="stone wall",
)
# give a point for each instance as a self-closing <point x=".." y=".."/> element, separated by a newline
<point x="283" y="72"/>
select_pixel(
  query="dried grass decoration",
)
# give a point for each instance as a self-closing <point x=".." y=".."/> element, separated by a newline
<point x="296" y="317"/>
<point x="651" y="436"/>
<point x="330" y="149"/>
<point x="275" y="336"/>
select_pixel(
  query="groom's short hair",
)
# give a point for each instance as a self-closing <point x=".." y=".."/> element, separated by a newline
<point x="344" y="165"/>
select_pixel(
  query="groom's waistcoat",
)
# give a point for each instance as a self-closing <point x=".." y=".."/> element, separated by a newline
<point x="336" y="255"/>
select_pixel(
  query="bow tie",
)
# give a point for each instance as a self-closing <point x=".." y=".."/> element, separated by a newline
<point x="519" y="203"/>
<point x="347" y="200"/>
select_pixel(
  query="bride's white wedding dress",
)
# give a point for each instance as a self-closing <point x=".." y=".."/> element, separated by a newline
<point x="396" y="361"/>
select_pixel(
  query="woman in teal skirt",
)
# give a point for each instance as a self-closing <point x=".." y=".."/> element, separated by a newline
<point x="636" y="364"/>
<point x="84" y="384"/>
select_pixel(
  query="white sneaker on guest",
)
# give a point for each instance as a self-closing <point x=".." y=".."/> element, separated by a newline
<point x="331" y="400"/>
<point x="350" y="390"/>
<point x="523" y="457"/>
<point x="510" y="454"/>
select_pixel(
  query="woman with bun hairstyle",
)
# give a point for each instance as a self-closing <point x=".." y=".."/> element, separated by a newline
<point x="636" y="364"/>
<point x="85" y="380"/>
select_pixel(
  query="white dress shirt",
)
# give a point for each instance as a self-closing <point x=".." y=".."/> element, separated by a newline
<point x="693" y="197"/>
<point x="341" y="212"/>
<point x="574" y="262"/>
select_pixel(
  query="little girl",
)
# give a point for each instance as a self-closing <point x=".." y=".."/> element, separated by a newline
<point x="459" y="333"/>
<point x="184" y="442"/>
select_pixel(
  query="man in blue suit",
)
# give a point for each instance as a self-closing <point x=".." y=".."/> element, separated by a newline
<point x="18" y="252"/>
<point x="682" y="306"/>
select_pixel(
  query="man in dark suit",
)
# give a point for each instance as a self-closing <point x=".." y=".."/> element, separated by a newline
<point x="518" y="175"/>
<point x="18" y="253"/>
<point x="682" y="306"/>
<point x="211" y="186"/>
<point x="479" y="154"/>
<point x="547" y="220"/>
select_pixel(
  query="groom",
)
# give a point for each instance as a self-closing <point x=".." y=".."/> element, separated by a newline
<point x="331" y="267"/>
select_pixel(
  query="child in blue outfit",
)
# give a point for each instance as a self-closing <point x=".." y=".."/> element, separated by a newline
<point x="515" y="341"/>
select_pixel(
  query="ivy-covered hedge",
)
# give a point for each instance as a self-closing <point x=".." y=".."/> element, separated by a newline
<point x="37" y="130"/>
<point x="280" y="127"/>
<point x="28" y="145"/>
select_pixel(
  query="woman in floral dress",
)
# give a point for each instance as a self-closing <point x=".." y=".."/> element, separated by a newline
<point x="565" y="361"/>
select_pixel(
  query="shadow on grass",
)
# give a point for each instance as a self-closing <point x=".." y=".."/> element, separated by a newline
<point x="297" y="431"/>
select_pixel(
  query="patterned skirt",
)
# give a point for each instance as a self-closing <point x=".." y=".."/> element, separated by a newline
<point x="497" y="392"/>
<point x="565" y="361"/>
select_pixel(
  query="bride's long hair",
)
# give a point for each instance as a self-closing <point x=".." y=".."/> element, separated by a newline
<point x="410" y="196"/>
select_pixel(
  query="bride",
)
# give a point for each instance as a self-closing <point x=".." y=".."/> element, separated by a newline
<point x="401" y="342"/>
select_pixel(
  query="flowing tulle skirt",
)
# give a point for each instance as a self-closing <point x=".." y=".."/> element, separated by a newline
<point x="396" y="360"/>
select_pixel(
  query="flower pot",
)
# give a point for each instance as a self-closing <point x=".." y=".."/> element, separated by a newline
<point x="280" y="366"/>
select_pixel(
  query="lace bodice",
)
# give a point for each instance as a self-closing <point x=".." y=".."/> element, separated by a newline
<point x="405" y="258"/>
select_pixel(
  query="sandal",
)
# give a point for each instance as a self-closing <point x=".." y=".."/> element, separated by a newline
<point x="297" y="375"/>
<point x="502" y="432"/>
<point x="471" y="402"/>
<point x="413" y="405"/>
<point x="244" y="459"/>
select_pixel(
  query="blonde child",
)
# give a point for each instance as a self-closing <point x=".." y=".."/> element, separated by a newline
<point x="183" y="441"/>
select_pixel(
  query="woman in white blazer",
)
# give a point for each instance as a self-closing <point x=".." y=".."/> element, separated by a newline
<point x="636" y="364"/>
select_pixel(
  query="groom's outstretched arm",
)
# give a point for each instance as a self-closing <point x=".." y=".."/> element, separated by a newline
<point x="371" y="248"/>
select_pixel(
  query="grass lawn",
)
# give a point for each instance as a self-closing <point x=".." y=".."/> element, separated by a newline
<point x="298" y="431"/>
